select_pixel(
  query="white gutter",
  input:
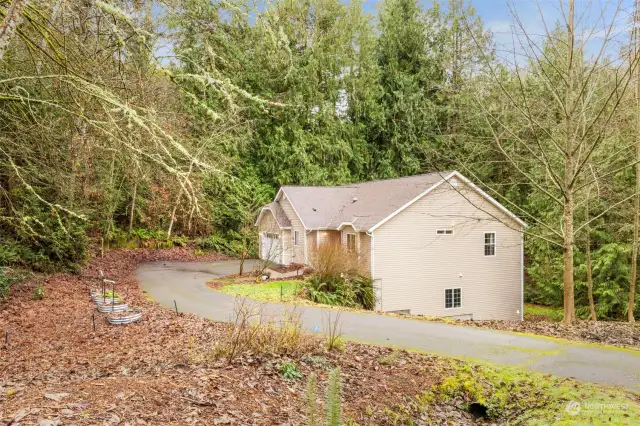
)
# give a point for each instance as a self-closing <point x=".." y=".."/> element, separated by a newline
<point x="371" y="254"/>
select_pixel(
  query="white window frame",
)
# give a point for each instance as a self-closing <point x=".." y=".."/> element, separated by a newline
<point x="355" y="241"/>
<point x="296" y="238"/>
<point x="485" y="244"/>
<point x="453" y="297"/>
<point x="444" y="231"/>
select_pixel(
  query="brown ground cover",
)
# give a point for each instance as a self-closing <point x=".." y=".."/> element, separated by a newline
<point x="56" y="370"/>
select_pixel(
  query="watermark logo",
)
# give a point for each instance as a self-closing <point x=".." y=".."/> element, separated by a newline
<point x="574" y="408"/>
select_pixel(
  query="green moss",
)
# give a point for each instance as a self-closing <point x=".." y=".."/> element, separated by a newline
<point x="520" y="396"/>
<point x="547" y="313"/>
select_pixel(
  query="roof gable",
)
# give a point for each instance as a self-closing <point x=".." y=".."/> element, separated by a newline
<point x="279" y="215"/>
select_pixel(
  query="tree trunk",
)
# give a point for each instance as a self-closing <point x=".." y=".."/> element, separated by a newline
<point x="242" y="259"/>
<point x="173" y="213"/>
<point x="133" y="205"/>
<point x="636" y="211"/>
<point x="567" y="255"/>
<point x="569" y="166"/>
<point x="10" y="24"/>
<point x="592" y="306"/>
<point x="634" y="257"/>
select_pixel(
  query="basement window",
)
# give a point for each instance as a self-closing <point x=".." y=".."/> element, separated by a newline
<point x="452" y="298"/>
<point x="448" y="231"/>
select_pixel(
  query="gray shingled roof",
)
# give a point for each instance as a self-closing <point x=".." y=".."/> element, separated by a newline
<point x="329" y="206"/>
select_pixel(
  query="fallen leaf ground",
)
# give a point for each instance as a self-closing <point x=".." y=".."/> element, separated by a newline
<point x="160" y="370"/>
<point x="55" y="369"/>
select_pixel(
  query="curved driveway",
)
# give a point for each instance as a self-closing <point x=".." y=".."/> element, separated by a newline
<point x="185" y="283"/>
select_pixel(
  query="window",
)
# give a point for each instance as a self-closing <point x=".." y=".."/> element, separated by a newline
<point x="444" y="231"/>
<point x="296" y="238"/>
<point x="489" y="243"/>
<point x="452" y="298"/>
<point x="351" y="242"/>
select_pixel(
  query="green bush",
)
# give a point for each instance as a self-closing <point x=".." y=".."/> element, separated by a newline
<point x="232" y="243"/>
<point x="356" y="292"/>
<point x="9" y="253"/>
<point x="143" y="237"/>
<point x="339" y="278"/>
<point x="213" y="242"/>
<point x="39" y="292"/>
<point x="51" y="248"/>
<point x="289" y="371"/>
<point x="6" y="282"/>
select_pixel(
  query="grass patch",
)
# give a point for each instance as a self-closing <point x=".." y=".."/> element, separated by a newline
<point x="274" y="291"/>
<point x="542" y="313"/>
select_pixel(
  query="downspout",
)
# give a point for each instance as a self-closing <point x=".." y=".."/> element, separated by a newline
<point x="372" y="264"/>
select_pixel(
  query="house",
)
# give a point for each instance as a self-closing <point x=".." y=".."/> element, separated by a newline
<point x="435" y="244"/>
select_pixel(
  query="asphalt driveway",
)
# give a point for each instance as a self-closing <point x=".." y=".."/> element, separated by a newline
<point x="185" y="283"/>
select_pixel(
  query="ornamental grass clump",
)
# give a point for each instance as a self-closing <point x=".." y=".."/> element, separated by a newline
<point x="339" y="278"/>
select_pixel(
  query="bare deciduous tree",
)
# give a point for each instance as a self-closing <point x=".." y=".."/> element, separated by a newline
<point x="555" y="114"/>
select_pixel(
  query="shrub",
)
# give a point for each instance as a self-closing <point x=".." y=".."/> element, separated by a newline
<point x="9" y="253"/>
<point x="39" y="292"/>
<point x="250" y="333"/>
<point x="213" y="242"/>
<point x="356" y="292"/>
<point x="46" y="247"/>
<point x="339" y="279"/>
<point x="289" y="371"/>
<point x="334" y="332"/>
<point x="6" y="281"/>
<point x="332" y="261"/>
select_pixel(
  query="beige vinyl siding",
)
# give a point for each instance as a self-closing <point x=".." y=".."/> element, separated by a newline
<point x="413" y="265"/>
<point x="297" y="252"/>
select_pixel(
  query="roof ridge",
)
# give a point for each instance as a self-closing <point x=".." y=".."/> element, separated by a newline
<point x="355" y="184"/>
<point x="318" y="186"/>
<point x="443" y="173"/>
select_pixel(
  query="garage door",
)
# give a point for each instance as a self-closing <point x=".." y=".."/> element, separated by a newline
<point x="270" y="249"/>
